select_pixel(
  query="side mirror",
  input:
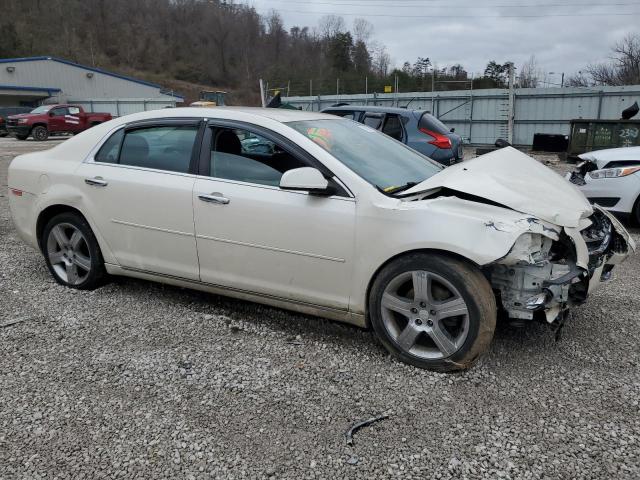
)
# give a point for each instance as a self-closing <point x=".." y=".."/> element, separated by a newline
<point x="306" y="179"/>
<point x="51" y="114"/>
<point x="453" y="130"/>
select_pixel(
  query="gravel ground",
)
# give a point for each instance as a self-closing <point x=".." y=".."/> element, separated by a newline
<point x="140" y="380"/>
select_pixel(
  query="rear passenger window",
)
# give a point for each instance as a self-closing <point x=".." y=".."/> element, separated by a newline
<point x="162" y="148"/>
<point x="59" y="112"/>
<point x="108" y="153"/>
<point x="372" y="121"/>
<point x="393" y="127"/>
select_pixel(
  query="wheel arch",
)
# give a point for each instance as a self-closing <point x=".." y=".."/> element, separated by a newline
<point x="48" y="213"/>
<point x="444" y="253"/>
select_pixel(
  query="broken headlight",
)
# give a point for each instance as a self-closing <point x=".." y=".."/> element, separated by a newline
<point x="529" y="249"/>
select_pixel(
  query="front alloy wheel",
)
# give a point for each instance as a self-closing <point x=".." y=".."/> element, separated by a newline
<point x="425" y="314"/>
<point x="40" y="133"/>
<point x="433" y="311"/>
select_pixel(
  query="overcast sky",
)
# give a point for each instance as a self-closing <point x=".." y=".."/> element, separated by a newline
<point x="570" y="35"/>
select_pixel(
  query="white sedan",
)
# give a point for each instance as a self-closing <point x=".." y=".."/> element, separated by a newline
<point x="320" y="215"/>
<point x="611" y="178"/>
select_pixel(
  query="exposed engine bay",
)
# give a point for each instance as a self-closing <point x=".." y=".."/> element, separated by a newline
<point x="550" y="273"/>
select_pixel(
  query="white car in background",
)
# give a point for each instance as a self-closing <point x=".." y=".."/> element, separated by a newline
<point x="331" y="218"/>
<point x="611" y="179"/>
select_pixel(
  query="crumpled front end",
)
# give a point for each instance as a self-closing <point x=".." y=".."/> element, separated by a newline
<point x="548" y="272"/>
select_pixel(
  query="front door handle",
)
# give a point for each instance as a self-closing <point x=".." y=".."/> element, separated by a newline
<point x="214" y="198"/>
<point x="96" y="182"/>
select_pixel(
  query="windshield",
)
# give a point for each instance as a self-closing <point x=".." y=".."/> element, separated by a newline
<point x="374" y="156"/>
<point x="42" y="109"/>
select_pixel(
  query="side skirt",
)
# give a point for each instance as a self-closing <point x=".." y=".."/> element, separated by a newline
<point x="307" y="308"/>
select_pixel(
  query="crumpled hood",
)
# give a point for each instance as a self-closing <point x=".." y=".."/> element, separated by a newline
<point x="515" y="180"/>
<point x="602" y="157"/>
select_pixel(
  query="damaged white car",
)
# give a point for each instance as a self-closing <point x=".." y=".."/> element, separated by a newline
<point x="329" y="217"/>
<point x="611" y="179"/>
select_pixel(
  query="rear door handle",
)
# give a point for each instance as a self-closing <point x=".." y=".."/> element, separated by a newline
<point x="96" y="182"/>
<point x="214" y="198"/>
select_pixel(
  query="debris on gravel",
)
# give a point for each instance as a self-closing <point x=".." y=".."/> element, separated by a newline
<point x="141" y="380"/>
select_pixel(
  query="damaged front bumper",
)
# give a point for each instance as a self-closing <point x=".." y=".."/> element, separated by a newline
<point x="553" y="268"/>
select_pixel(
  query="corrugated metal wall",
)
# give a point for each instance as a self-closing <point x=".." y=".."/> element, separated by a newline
<point x="481" y="116"/>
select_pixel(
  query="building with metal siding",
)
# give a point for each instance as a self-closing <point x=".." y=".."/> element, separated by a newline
<point x="482" y="116"/>
<point x="36" y="80"/>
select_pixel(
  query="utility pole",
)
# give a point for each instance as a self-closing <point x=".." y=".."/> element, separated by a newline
<point x="510" y="109"/>
<point x="395" y="89"/>
<point x="433" y="89"/>
<point x="263" y="100"/>
<point x="311" y="88"/>
<point x="337" y="86"/>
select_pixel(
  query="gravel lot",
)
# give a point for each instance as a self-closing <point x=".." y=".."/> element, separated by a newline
<point x="140" y="380"/>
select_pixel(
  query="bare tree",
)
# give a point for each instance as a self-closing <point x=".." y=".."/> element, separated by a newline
<point x="624" y="66"/>
<point x="529" y="73"/>
<point x="331" y="25"/>
<point x="362" y="30"/>
<point x="380" y="59"/>
<point x="578" y="79"/>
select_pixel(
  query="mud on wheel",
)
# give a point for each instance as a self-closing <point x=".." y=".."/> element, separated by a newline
<point x="433" y="311"/>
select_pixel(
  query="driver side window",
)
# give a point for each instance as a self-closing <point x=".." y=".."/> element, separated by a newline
<point x="244" y="156"/>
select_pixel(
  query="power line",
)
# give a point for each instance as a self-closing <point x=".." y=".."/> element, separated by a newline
<point x="471" y="7"/>
<point x="389" y="15"/>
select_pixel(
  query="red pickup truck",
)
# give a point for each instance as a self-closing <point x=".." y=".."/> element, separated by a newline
<point x="53" y="119"/>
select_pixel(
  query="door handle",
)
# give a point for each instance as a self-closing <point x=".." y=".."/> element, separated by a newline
<point x="214" y="198"/>
<point x="96" y="182"/>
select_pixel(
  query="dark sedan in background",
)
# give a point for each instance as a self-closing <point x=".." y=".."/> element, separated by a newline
<point x="416" y="128"/>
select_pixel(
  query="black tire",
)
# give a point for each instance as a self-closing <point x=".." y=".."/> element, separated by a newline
<point x="40" y="133"/>
<point x="22" y="137"/>
<point x="91" y="277"/>
<point x="472" y="287"/>
<point x="635" y="214"/>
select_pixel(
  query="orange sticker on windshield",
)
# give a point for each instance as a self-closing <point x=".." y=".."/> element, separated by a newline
<point x="321" y="136"/>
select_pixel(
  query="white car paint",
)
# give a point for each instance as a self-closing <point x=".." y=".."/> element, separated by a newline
<point x="291" y="249"/>
<point x="626" y="188"/>
<point x="517" y="181"/>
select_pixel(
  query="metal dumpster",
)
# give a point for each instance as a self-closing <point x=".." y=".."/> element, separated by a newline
<point x="589" y="135"/>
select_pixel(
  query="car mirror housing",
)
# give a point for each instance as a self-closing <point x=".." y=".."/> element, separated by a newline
<point x="306" y="179"/>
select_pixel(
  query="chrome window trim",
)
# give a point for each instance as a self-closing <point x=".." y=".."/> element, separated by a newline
<point x="90" y="159"/>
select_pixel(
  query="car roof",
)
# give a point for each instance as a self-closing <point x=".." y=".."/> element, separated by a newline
<point x="281" y="115"/>
<point x="371" y="108"/>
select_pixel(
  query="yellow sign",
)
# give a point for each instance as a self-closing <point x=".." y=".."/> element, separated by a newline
<point x="388" y="89"/>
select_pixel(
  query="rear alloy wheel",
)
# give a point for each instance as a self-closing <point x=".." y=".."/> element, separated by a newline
<point x="433" y="311"/>
<point x="72" y="252"/>
<point x="40" y="133"/>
